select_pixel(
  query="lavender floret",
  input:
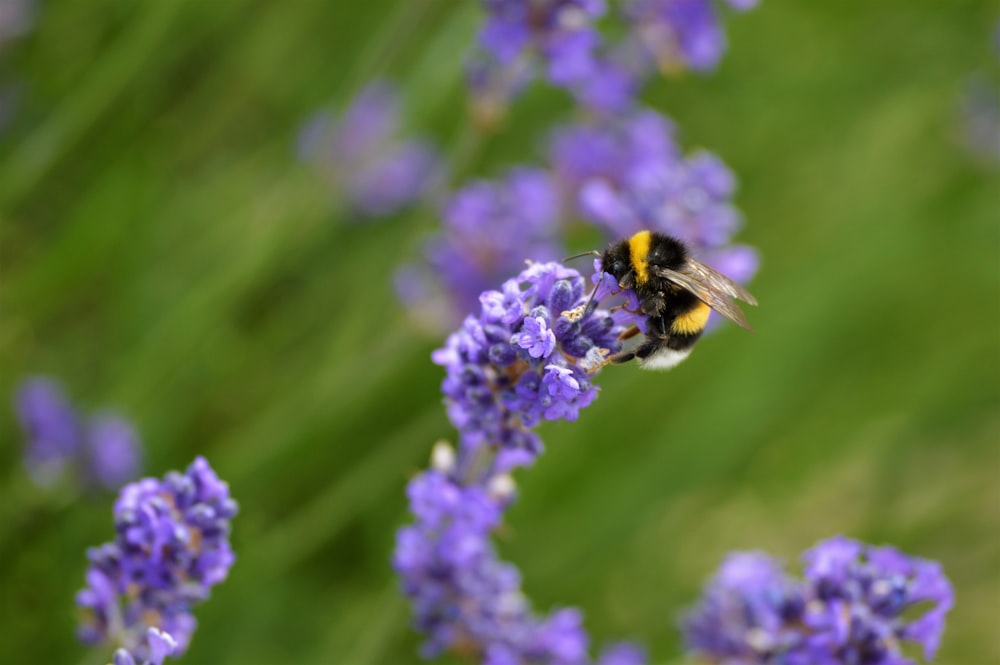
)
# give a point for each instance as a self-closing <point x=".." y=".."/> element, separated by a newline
<point x="159" y="646"/>
<point x="51" y="425"/>
<point x="855" y="605"/>
<point x="114" y="450"/>
<point x="172" y="546"/>
<point x="369" y="167"/>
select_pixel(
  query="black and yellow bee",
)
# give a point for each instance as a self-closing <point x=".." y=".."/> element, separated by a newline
<point x="676" y="293"/>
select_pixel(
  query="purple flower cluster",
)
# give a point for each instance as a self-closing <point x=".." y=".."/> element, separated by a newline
<point x="466" y="599"/>
<point x="561" y="34"/>
<point x="104" y="450"/>
<point x="562" y="38"/>
<point x="522" y="360"/>
<point x="490" y="229"/>
<point x="171" y="547"/>
<point x="855" y="605"/>
<point x="373" y="171"/>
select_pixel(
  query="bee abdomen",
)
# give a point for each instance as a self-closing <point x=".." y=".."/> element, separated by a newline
<point x="691" y="321"/>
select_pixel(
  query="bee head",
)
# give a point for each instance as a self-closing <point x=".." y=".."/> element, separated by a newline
<point x="615" y="260"/>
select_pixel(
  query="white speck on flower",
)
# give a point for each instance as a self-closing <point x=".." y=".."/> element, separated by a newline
<point x="443" y="457"/>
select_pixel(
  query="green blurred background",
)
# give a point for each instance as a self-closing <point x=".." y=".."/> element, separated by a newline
<point x="163" y="251"/>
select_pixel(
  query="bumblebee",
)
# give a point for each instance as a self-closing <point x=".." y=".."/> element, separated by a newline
<point x="676" y="293"/>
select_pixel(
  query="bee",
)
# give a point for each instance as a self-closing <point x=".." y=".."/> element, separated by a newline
<point x="676" y="293"/>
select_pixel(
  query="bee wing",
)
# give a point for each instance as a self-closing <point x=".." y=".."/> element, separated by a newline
<point x="712" y="288"/>
<point x="718" y="280"/>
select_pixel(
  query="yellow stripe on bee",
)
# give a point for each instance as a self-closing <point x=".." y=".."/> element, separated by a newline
<point x="692" y="321"/>
<point x="638" y="247"/>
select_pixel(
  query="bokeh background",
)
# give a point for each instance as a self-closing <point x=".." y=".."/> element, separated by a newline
<point x="163" y="251"/>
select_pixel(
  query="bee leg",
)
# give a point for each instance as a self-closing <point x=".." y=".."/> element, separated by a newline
<point x="616" y="359"/>
<point x="628" y="333"/>
<point x="647" y="348"/>
<point x="620" y="358"/>
<point x="653" y="306"/>
<point x="623" y="308"/>
<point x="641" y="352"/>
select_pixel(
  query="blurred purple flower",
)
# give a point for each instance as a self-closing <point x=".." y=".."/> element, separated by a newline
<point x="16" y="18"/>
<point x="114" y="450"/>
<point x="604" y="74"/>
<point x="172" y="546"/>
<point x="490" y="229"/>
<point x="369" y="167"/>
<point x="743" y="611"/>
<point x="557" y="36"/>
<point x="51" y="426"/>
<point x="104" y="450"/>
<point x="622" y="653"/>
<point x="560" y="30"/>
<point x="159" y="646"/>
<point x="854" y="606"/>
<point x="680" y="33"/>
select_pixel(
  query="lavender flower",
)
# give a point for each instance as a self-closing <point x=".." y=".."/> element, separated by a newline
<point x="520" y="361"/>
<point x="51" y="426"/>
<point x="496" y="388"/>
<point x="490" y="229"/>
<point x="464" y="598"/>
<point x="680" y="33"/>
<point x="104" y="450"/>
<point x="159" y="646"/>
<point x="849" y="609"/>
<point x="562" y="38"/>
<point x="172" y="546"/>
<point x="113" y="450"/>
<point x="372" y="170"/>
<point x="560" y="31"/>
<point x="627" y="174"/>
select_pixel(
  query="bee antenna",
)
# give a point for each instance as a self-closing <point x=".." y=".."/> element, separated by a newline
<point x="593" y="293"/>
<point x="592" y="252"/>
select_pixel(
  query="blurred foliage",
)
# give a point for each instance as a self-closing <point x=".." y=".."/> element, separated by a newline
<point x="163" y="251"/>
